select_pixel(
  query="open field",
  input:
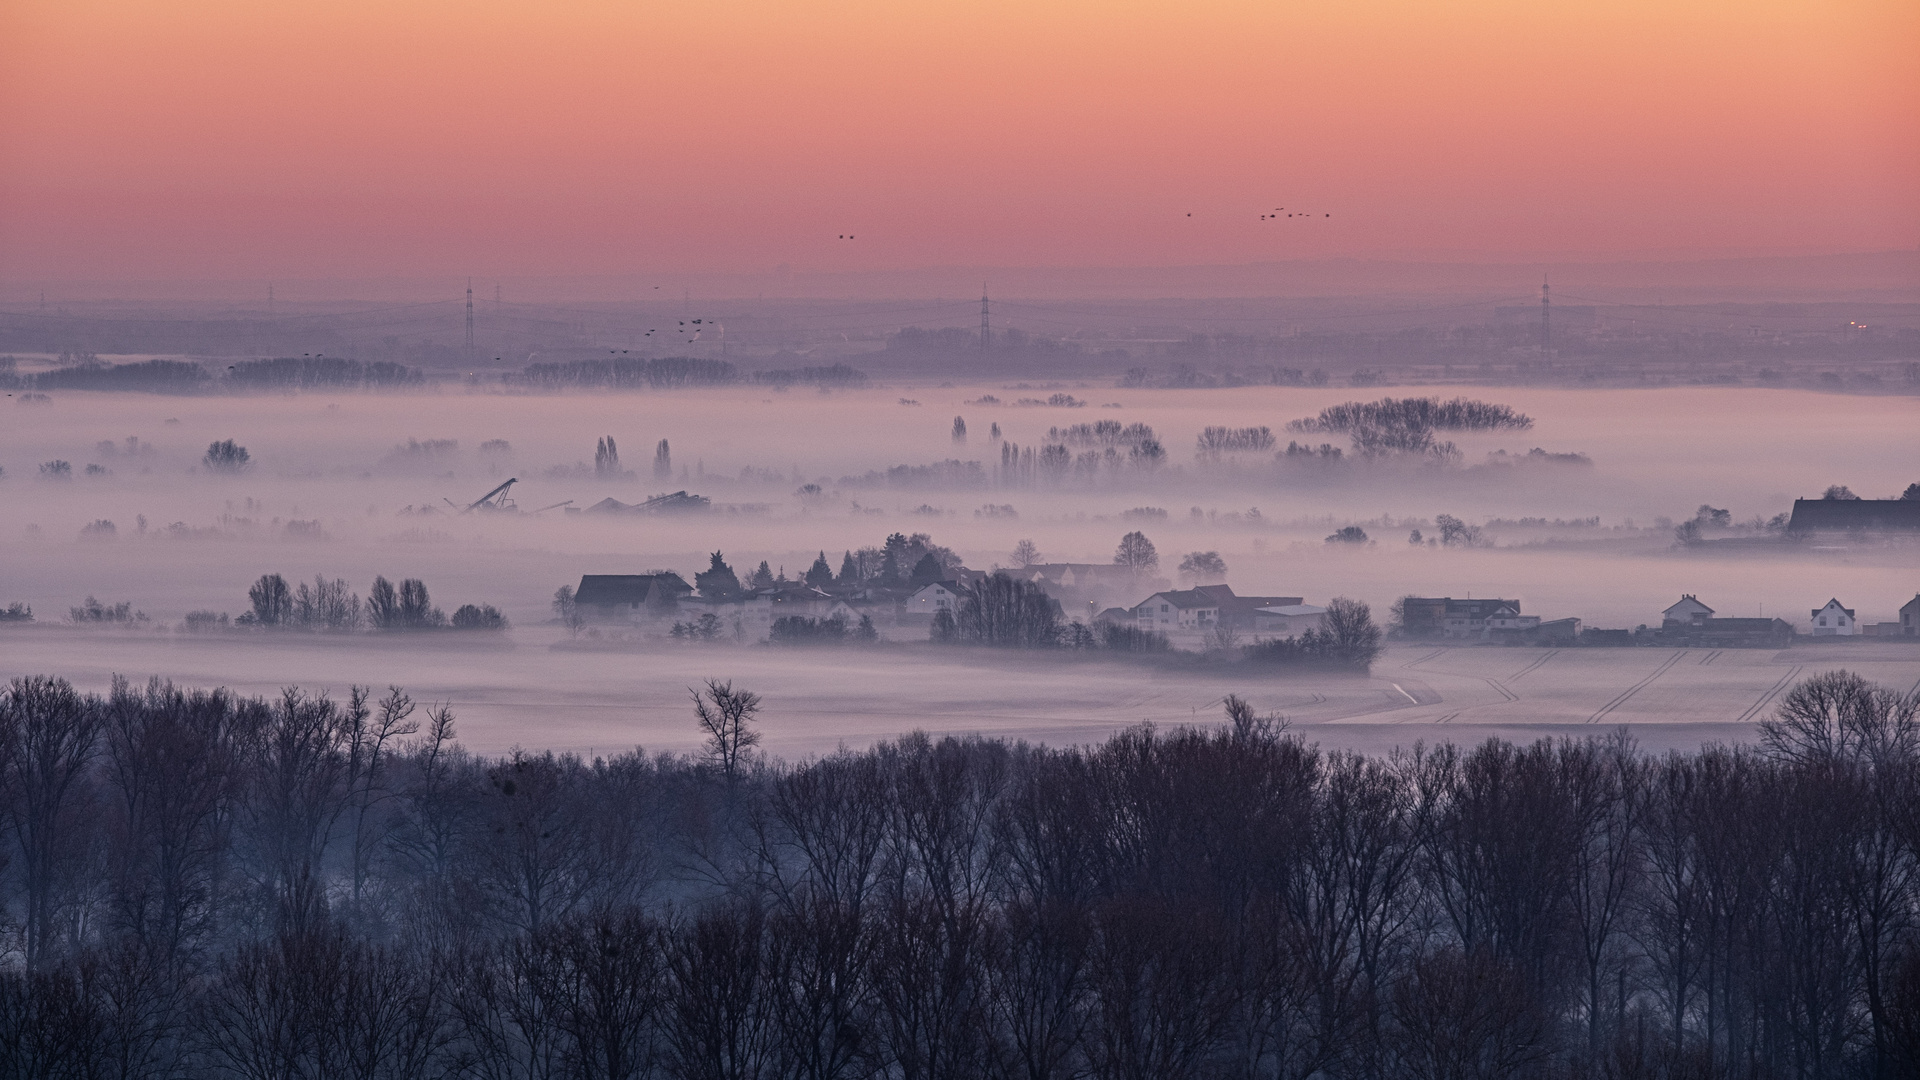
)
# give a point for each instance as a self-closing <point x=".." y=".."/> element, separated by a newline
<point x="521" y="692"/>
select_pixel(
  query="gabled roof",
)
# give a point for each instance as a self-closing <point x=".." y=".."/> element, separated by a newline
<point x="1900" y="515"/>
<point x="628" y="588"/>
<point x="1686" y="598"/>
<point x="1830" y="605"/>
<point x="1480" y="609"/>
<point x="1241" y="604"/>
<point x="1913" y="603"/>
<point x="1185" y="599"/>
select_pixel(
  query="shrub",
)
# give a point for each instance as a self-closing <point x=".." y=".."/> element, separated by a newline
<point x="227" y="456"/>
<point x="478" y="617"/>
<point x="801" y="630"/>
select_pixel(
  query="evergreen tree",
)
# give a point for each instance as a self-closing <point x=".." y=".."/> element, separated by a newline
<point x="718" y="581"/>
<point x="820" y="575"/>
<point x="849" y="573"/>
<point x="928" y="570"/>
<point x="763" y="577"/>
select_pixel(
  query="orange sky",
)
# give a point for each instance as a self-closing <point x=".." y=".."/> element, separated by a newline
<point x="156" y="139"/>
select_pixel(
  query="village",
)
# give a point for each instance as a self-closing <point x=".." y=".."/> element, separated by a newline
<point x="882" y="603"/>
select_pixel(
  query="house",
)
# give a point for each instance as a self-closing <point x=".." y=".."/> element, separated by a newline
<point x="1286" y="620"/>
<point x="1530" y="630"/>
<point x="1237" y="613"/>
<point x="630" y="597"/>
<point x="1854" y="515"/>
<point x="1115" y="616"/>
<point x="1081" y="576"/>
<point x="1461" y="620"/>
<point x="929" y="600"/>
<point x="1475" y="620"/>
<point x="1834" y="621"/>
<point x="1910" y="617"/>
<point x="1689" y="611"/>
<point x="1735" y="634"/>
<point x="1185" y="616"/>
<point x="762" y="606"/>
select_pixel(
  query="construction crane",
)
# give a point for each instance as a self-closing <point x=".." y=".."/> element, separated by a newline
<point x="494" y="500"/>
<point x="555" y="506"/>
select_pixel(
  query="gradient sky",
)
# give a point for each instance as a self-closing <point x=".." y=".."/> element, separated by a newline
<point x="157" y="139"/>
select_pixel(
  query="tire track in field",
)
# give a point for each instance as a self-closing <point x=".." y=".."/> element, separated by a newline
<point x="1625" y="695"/>
<point x="1501" y="690"/>
<point x="1710" y="657"/>
<point x="1535" y="666"/>
<point x="1753" y="710"/>
<point x="1414" y="664"/>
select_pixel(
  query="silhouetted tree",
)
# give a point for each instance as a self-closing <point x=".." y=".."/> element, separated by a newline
<point x="49" y="734"/>
<point x="226" y="456"/>
<point x="717" y="581"/>
<point x="272" y="600"/>
<point x="727" y="717"/>
<point x="819" y="575"/>
<point x="1136" y="553"/>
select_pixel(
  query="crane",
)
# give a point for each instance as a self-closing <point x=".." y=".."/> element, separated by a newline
<point x="494" y="500"/>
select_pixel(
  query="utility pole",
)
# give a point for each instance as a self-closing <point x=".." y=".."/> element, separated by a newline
<point x="1546" y="312"/>
<point x="469" y="314"/>
<point x="986" y="332"/>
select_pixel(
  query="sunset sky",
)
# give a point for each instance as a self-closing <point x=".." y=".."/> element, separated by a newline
<point x="154" y="139"/>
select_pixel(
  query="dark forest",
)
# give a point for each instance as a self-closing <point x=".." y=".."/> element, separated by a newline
<point x="201" y="884"/>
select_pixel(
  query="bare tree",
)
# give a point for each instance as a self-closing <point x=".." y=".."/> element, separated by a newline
<point x="48" y="735"/>
<point x="1136" y="553"/>
<point x="568" y="610"/>
<point x="1026" y="553"/>
<point x="272" y="600"/>
<point x="727" y="716"/>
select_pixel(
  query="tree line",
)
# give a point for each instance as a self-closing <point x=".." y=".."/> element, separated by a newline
<point x="204" y="884"/>
<point x="333" y="606"/>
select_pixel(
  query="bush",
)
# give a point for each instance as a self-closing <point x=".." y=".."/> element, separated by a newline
<point x="801" y="630"/>
<point x="93" y="611"/>
<point x="478" y="617"/>
<point x="227" y="456"/>
<point x="1347" y="640"/>
<point x="205" y="622"/>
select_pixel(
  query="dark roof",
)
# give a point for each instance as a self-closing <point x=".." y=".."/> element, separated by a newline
<point x="1189" y="598"/>
<point x="1844" y="514"/>
<point x="1242" y="604"/>
<point x="1480" y="609"/>
<point x="1742" y="626"/>
<point x="1427" y="606"/>
<point x="627" y="588"/>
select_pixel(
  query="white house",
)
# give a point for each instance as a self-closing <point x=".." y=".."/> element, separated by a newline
<point x="1286" y="620"/>
<point x="929" y="600"/>
<point x="1688" y="612"/>
<point x="1834" y="621"/>
<point x="1185" y="616"/>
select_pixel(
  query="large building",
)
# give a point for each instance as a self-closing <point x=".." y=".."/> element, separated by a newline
<point x="1812" y="516"/>
<point x="1461" y="620"/>
<point x="630" y="597"/>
